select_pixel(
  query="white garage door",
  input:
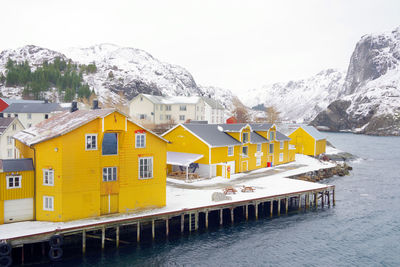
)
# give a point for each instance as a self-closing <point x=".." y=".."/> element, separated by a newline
<point x="232" y="164"/>
<point x="18" y="210"/>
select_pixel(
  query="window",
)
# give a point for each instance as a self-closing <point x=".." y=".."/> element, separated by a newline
<point x="14" y="182"/>
<point x="8" y="115"/>
<point x="9" y="152"/>
<point x="280" y="156"/>
<point x="140" y="140"/>
<point x="271" y="148"/>
<point x="109" y="174"/>
<point x="1" y="115"/>
<point x="91" y="141"/>
<point x="14" y="127"/>
<point x="142" y="116"/>
<point x="230" y="151"/>
<point x="48" y="177"/>
<point x="258" y="147"/>
<point x="145" y="168"/>
<point x="29" y="116"/>
<point x="110" y="144"/>
<point x="168" y="107"/>
<point x="245" y="138"/>
<point x="161" y="107"/>
<point x="271" y="136"/>
<point x="245" y="151"/>
<point x="141" y="98"/>
<point x="281" y="145"/>
<point x="48" y="203"/>
<point x="161" y="117"/>
<point x="16" y="115"/>
<point x="168" y="117"/>
<point x="46" y="116"/>
<point x="258" y="161"/>
<point x="182" y="107"/>
<point x="182" y="117"/>
<point x="9" y="140"/>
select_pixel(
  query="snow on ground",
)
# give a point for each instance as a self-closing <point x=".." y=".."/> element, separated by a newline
<point x="330" y="150"/>
<point x="181" y="195"/>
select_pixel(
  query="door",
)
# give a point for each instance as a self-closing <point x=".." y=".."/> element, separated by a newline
<point x="232" y="165"/>
<point x="18" y="210"/>
<point x="108" y="204"/>
<point x="299" y="145"/>
<point x="244" y="166"/>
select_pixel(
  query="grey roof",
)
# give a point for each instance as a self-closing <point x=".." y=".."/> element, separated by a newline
<point x="313" y="132"/>
<point x="169" y="100"/>
<point x="233" y="127"/>
<point x="4" y="123"/>
<point x="212" y="134"/>
<point x="255" y="138"/>
<point x="213" y="103"/>
<point x="16" y="165"/>
<point x="261" y="126"/>
<point x="281" y="137"/>
<point x="32" y="108"/>
<point x="12" y="101"/>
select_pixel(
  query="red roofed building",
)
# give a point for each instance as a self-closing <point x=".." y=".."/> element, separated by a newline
<point x="231" y="120"/>
<point x="3" y="105"/>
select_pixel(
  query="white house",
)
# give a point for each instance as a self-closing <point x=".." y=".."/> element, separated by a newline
<point x="9" y="127"/>
<point x="175" y="109"/>
<point x="30" y="113"/>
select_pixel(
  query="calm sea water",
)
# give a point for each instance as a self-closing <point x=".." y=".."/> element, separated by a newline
<point x="363" y="229"/>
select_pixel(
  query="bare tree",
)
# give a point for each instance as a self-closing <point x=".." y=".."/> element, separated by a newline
<point x="272" y="114"/>
<point x="240" y="111"/>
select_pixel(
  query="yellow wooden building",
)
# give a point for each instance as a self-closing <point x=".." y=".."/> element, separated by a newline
<point x="308" y="140"/>
<point x="94" y="162"/>
<point x="225" y="149"/>
<point x="16" y="190"/>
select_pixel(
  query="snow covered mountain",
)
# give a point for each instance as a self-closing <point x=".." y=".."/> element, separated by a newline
<point x="370" y="99"/>
<point x="299" y="100"/>
<point x="125" y="70"/>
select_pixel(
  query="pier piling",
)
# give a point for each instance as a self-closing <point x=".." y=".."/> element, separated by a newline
<point x="117" y="236"/>
<point x="153" y="230"/>
<point x="138" y="232"/>
<point x="103" y="237"/>
<point x="83" y="241"/>
<point x="271" y="208"/>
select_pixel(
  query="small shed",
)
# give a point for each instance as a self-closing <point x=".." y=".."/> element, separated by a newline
<point x="231" y="120"/>
<point x="308" y="141"/>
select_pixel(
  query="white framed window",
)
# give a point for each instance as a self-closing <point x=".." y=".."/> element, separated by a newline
<point x="48" y="203"/>
<point x="140" y="140"/>
<point x="91" y="141"/>
<point x="14" y="181"/>
<point x="142" y="116"/>
<point x="9" y="153"/>
<point x="271" y="136"/>
<point x="245" y="151"/>
<point x="109" y="174"/>
<point x="280" y="156"/>
<point x="146" y="168"/>
<point x="258" y="161"/>
<point x="271" y="148"/>
<point x="258" y="147"/>
<point x="14" y="127"/>
<point x="9" y="140"/>
<point x="230" y="151"/>
<point x="168" y="107"/>
<point x="161" y="107"/>
<point x="245" y="138"/>
<point x="281" y="145"/>
<point x="46" y="116"/>
<point x="29" y="116"/>
<point x="182" y="117"/>
<point x="182" y="107"/>
<point x="161" y="117"/>
<point x="168" y="117"/>
<point x="48" y="177"/>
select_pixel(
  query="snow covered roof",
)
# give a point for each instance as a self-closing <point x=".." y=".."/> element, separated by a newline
<point x="63" y="123"/>
<point x="16" y="165"/>
<point x="169" y="100"/>
<point x="233" y="127"/>
<point x="5" y="123"/>
<point x="12" y="101"/>
<point x="32" y="108"/>
<point x="182" y="159"/>
<point x="212" y="103"/>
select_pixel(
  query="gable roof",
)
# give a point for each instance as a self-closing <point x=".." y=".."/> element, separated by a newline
<point x="317" y="135"/>
<point x="14" y="165"/>
<point x="14" y="100"/>
<point x="32" y="108"/>
<point x="255" y="138"/>
<point x="261" y="126"/>
<point x="64" y="123"/>
<point x="5" y="123"/>
<point x="169" y="100"/>
<point x="281" y="137"/>
<point x="212" y="103"/>
<point x="234" y="127"/>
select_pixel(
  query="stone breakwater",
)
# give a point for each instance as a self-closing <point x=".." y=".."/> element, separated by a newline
<point x="341" y="169"/>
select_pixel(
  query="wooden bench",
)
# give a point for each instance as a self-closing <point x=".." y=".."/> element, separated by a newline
<point x="248" y="189"/>
<point x="229" y="189"/>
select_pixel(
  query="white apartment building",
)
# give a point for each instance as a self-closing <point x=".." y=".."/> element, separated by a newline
<point x="9" y="127"/>
<point x="30" y="113"/>
<point x="175" y="109"/>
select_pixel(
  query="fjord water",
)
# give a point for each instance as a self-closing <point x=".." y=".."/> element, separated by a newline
<point x="363" y="229"/>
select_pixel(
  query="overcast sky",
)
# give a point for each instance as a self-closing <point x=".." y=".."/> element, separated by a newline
<point x="231" y="44"/>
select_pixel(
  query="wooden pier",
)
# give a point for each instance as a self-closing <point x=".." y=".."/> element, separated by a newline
<point x="179" y="221"/>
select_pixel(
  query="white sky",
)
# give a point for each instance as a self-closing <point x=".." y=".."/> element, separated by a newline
<point x="231" y="44"/>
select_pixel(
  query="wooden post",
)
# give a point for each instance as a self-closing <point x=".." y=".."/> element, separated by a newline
<point x="182" y="222"/>
<point x="322" y="198"/>
<point x="247" y="212"/>
<point x="299" y="202"/>
<point x="43" y="250"/>
<point x="190" y="222"/>
<point x="221" y="215"/>
<point x="232" y="215"/>
<point x="153" y="230"/>
<point x="271" y="208"/>
<point x="167" y="227"/>
<point x="307" y="200"/>
<point x="103" y="237"/>
<point x="333" y="197"/>
<point x="22" y="255"/>
<point x="83" y="241"/>
<point x="196" y="221"/>
<point x="256" y="210"/>
<point x="117" y="236"/>
<point x="138" y="232"/>
<point x="279" y="207"/>
<point x="287" y="205"/>
<point x="206" y="219"/>
<point x="329" y="197"/>
<point x="315" y="200"/>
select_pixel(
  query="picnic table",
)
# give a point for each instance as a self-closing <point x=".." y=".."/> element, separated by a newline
<point x="229" y="189"/>
<point x="248" y="189"/>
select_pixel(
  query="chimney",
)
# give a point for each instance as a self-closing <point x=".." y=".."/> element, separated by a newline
<point x="74" y="106"/>
<point x="95" y="104"/>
